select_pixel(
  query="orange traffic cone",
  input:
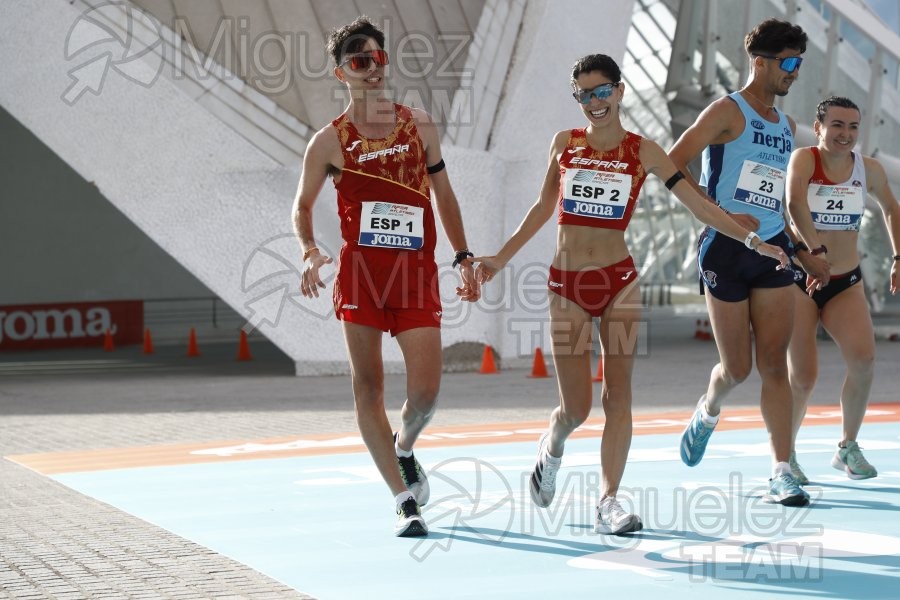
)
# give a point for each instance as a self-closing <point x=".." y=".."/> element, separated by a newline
<point x="192" y="344"/>
<point x="108" y="345"/>
<point x="703" y="331"/>
<point x="243" y="348"/>
<point x="599" y="375"/>
<point x="539" y="370"/>
<point x="488" y="367"/>
<point x="148" y="342"/>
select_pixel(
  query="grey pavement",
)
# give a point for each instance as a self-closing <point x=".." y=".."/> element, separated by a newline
<point x="56" y="543"/>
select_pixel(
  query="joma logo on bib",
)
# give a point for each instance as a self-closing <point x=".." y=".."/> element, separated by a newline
<point x="826" y="219"/>
<point x="391" y="241"/>
<point x="592" y="210"/>
<point x="763" y="201"/>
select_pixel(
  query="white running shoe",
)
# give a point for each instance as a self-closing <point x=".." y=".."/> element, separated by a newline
<point x="409" y="520"/>
<point x="543" y="479"/>
<point x="612" y="518"/>
<point x="797" y="471"/>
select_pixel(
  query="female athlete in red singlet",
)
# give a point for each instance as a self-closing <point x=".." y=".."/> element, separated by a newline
<point x="385" y="160"/>
<point x="592" y="183"/>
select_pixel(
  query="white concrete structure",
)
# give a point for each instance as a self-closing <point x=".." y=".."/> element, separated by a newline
<point x="221" y="206"/>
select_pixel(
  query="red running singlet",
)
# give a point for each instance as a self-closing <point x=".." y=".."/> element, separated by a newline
<point x="599" y="189"/>
<point x="383" y="196"/>
<point x="386" y="277"/>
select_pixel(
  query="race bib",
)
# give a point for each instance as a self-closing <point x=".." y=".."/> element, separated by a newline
<point x="760" y="185"/>
<point x="597" y="194"/>
<point x="836" y="207"/>
<point x="389" y="225"/>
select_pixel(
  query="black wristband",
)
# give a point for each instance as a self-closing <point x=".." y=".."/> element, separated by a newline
<point x="671" y="181"/>
<point x="800" y="246"/>
<point x="436" y="168"/>
<point x="897" y="257"/>
<point x="461" y="256"/>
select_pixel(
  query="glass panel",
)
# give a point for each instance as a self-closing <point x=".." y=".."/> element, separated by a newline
<point x="860" y="41"/>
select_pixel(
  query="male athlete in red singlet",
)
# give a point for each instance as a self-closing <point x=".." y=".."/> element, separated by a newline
<point x="593" y="179"/>
<point x="384" y="159"/>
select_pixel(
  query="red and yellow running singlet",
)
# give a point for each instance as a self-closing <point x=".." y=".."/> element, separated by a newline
<point x="599" y="189"/>
<point x="383" y="196"/>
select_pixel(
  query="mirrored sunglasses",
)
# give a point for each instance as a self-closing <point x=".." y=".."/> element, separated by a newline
<point x="788" y="64"/>
<point x="602" y="92"/>
<point x="361" y="62"/>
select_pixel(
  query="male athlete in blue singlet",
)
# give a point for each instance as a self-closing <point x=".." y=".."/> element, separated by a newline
<point x="746" y="143"/>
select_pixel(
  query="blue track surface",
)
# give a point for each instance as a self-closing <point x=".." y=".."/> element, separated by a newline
<point x="323" y="524"/>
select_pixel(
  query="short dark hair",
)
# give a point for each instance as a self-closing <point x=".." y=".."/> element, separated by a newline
<point x="772" y="36"/>
<point x="838" y="101"/>
<point x="351" y="38"/>
<point x="596" y="62"/>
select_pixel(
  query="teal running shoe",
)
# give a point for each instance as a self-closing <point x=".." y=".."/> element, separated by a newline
<point x="695" y="437"/>
<point x="784" y="490"/>
<point x="851" y="461"/>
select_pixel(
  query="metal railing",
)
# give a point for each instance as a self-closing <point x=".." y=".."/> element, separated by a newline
<point x="170" y="319"/>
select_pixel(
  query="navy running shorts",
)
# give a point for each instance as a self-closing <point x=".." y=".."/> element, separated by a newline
<point x="729" y="270"/>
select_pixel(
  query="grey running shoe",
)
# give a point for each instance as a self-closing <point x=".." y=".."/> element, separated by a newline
<point x="784" y="489"/>
<point x="612" y="518"/>
<point x="695" y="437"/>
<point x="543" y="479"/>
<point x="409" y="520"/>
<point x="796" y="471"/>
<point x="851" y="461"/>
<point x="414" y="477"/>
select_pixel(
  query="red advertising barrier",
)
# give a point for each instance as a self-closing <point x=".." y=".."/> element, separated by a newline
<point x="41" y="326"/>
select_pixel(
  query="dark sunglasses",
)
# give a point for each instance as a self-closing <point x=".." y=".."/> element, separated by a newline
<point x="602" y="92"/>
<point x="788" y="64"/>
<point x="361" y="62"/>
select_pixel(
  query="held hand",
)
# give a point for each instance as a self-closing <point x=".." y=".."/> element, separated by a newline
<point x="471" y="288"/>
<point x="744" y="220"/>
<point x="813" y="285"/>
<point x="773" y="251"/>
<point x="816" y="267"/>
<point x="310" y="282"/>
<point x="488" y="266"/>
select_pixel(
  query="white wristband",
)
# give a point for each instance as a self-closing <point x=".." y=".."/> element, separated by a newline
<point x="748" y="241"/>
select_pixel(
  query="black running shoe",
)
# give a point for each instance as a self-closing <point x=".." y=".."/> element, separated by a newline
<point x="414" y="477"/>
